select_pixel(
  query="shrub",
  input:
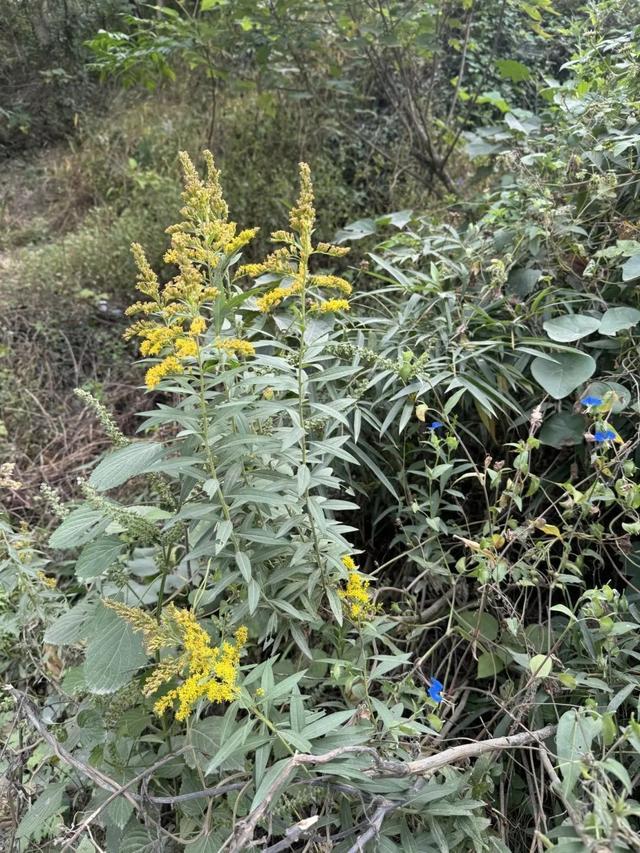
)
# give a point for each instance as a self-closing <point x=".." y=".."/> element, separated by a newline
<point x="371" y="512"/>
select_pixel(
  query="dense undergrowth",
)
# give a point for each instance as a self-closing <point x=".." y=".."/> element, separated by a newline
<point x="362" y="571"/>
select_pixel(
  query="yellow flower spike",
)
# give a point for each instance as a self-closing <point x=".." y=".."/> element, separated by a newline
<point x="198" y="326"/>
<point x="156" y="373"/>
<point x="331" y="282"/>
<point x="147" y="280"/>
<point x="236" y="346"/>
<point x="272" y="299"/>
<point x="329" y="306"/>
<point x="141" y="308"/>
<point x="186" y="348"/>
<point x="303" y="216"/>
<point x="331" y="250"/>
<point x="208" y="672"/>
<point x="202" y="244"/>
<point x="156" y="338"/>
<point x="356" y="595"/>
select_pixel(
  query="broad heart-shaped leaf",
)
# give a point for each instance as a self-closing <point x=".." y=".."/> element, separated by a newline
<point x="540" y="666"/>
<point x="564" y="374"/>
<point x="616" y="319"/>
<point x="576" y="732"/>
<point x="489" y="664"/>
<point x="114" y="653"/>
<point x="123" y="464"/>
<point x="563" y="429"/>
<point x="571" y="327"/>
<point x="96" y="557"/>
<point x="631" y="268"/>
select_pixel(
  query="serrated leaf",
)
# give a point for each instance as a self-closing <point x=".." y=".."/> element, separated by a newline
<point x="72" y="626"/>
<point x="136" y="839"/>
<point x="96" y="557"/>
<point x="114" y="653"/>
<point x="571" y="327"/>
<point x="564" y="374"/>
<point x="80" y="526"/>
<point x="118" y="812"/>
<point x="126" y="462"/>
<point x="48" y="804"/>
<point x="206" y="734"/>
<point x="210" y="843"/>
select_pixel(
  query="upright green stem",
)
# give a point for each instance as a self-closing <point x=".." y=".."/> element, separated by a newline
<point x="305" y="254"/>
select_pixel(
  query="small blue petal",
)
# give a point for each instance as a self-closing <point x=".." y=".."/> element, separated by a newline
<point x="435" y="690"/>
<point x="591" y="401"/>
<point x="436" y="424"/>
<point x="604" y="435"/>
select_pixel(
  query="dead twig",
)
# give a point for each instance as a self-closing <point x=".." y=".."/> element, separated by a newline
<point x="243" y="834"/>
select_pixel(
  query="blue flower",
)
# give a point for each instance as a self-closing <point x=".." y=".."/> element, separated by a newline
<point x="591" y="401"/>
<point x="435" y="690"/>
<point x="604" y="435"/>
<point x="436" y="424"/>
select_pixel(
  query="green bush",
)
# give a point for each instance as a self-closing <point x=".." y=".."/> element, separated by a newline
<point x="367" y="576"/>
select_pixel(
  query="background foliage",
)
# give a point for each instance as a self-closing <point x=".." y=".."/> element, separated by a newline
<point x="465" y="431"/>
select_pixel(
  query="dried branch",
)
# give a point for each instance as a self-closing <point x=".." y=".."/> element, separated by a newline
<point x="243" y="834"/>
<point x="121" y="790"/>
<point x="27" y="710"/>
<point x="374" y="825"/>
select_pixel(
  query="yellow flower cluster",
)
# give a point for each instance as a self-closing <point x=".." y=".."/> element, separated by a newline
<point x="330" y="305"/>
<point x="202" y="246"/>
<point x="208" y="672"/>
<point x="166" y="367"/>
<point x="50" y="583"/>
<point x="356" y="595"/>
<point x="289" y="263"/>
<point x="273" y="298"/>
<point x="235" y="346"/>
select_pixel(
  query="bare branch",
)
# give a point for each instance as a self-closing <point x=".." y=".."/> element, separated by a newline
<point x="243" y="834"/>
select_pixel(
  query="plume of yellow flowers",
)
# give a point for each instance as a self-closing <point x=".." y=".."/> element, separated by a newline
<point x="207" y="672"/>
<point x="202" y="247"/>
<point x="355" y="594"/>
<point x="289" y="264"/>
